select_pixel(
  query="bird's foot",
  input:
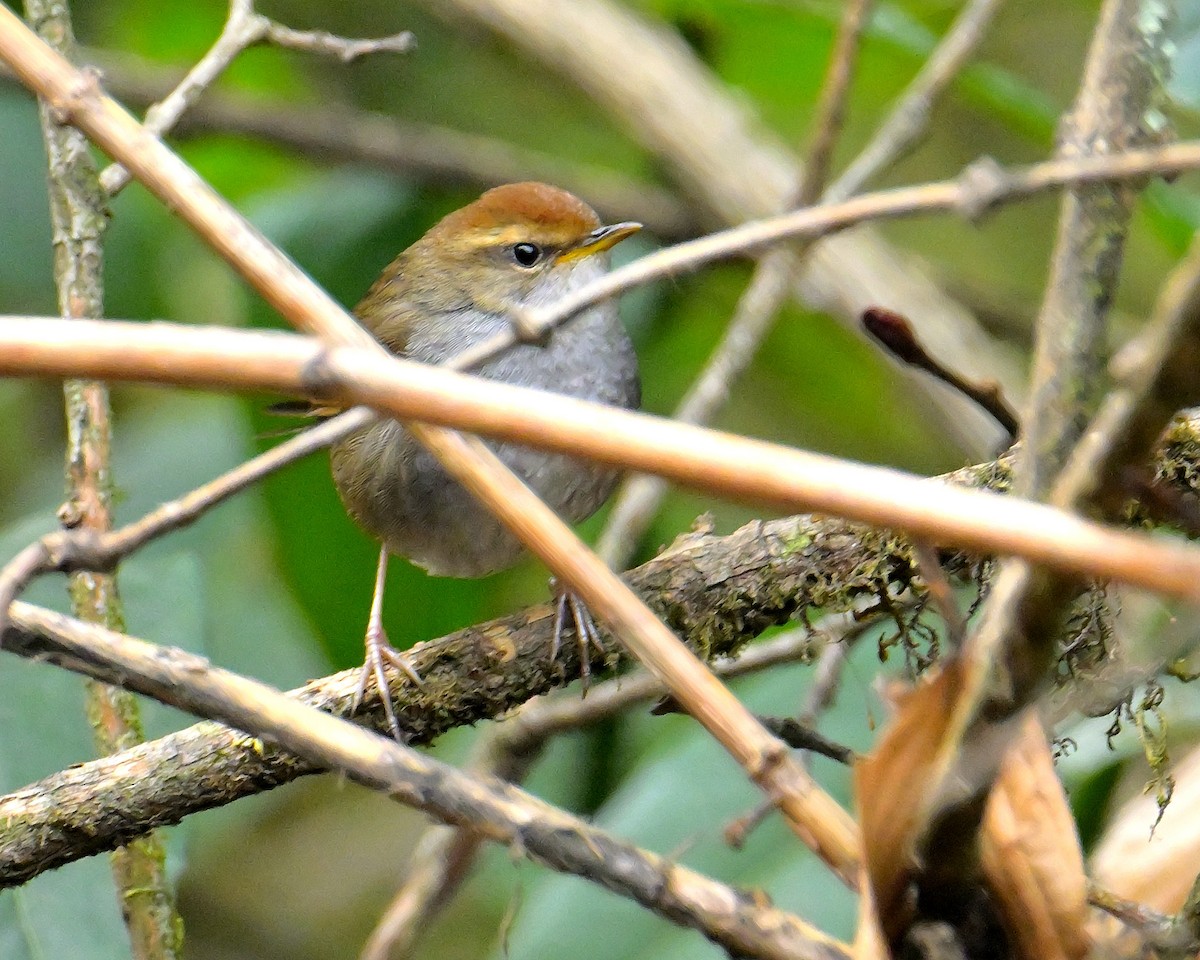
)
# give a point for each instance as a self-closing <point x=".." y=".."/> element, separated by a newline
<point x="586" y="634"/>
<point x="380" y="653"/>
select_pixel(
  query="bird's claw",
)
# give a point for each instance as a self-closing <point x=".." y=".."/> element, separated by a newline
<point x="586" y="634"/>
<point x="380" y="653"/>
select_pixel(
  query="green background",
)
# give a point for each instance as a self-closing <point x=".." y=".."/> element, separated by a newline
<point x="277" y="582"/>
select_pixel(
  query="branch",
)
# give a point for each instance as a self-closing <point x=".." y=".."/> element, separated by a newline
<point x="639" y="496"/>
<point x="695" y="456"/>
<point x="1016" y="636"/>
<point x="715" y="591"/>
<point x="979" y="189"/>
<point x="443" y="857"/>
<point x="503" y="813"/>
<point x="754" y="315"/>
<point x="907" y="120"/>
<point x="79" y="218"/>
<point x="428" y="153"/>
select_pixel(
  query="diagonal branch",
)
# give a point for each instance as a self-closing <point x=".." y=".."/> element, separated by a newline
<point x="639" y="497"/>
<point x="696" y="456"/>
<point x="717" y="592"/>
<point x="503" y="813"/>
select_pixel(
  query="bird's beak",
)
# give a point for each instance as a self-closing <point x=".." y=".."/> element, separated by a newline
<point x="599" y="240"/>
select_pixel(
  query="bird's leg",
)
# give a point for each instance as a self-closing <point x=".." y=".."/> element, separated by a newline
<point x="586" y="634"/>
<point x="380" y="652"/>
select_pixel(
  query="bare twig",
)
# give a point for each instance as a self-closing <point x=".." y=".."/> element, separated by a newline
<point x="718" y="462"/>
<point x="754" y="314"/>
<point x="244" y="28"/>
<point x="1170" y="937"/>
<point x="977" y="190"/>
<point x="895" y="334"/>
<point x="907" y="120"/>
<point x="941" y="592"/>
<point x="1153" y="373"/>
<point x="503" y="813"/>
<point x="1119" y="87"/>
<point x="831" y="104"/>
<point x="846" y="629"/>
<point x="428" y="153"/>
<point x="731" y="465"/>
<point x="814" y="816"/>
<point x="346" y="50"/>
<point x="802" y="736"/>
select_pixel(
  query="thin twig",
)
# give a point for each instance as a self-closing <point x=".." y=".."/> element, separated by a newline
<point x="503" y="813"/>
<point x="639" y="498"/>
<point x="425" y="152"/>
<point x="243" y="29"/>
<point x="1154" y="372"/>
<point x="831" y="102"/>
<point x="980" y="188"/>
<point x="346" y="50"/>
<point x="907" y="120"/>
<point x="333" y="132"/>
<point x="802" y="736"/>
<point x="941" y="592"/>
<point x="543" y="719"/>
<point x="846" y="630"/>
<point x="1170" y="937"/>
<point x="896" y="335"/>
<point x="812" y="815"/>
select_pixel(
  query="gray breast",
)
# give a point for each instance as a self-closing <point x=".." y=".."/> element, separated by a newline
<point x="410" y="503"/>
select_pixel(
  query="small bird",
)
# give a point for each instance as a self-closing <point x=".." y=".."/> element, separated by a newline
<point x="519" y="245"/>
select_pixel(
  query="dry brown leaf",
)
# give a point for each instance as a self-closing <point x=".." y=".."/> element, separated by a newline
<point x="897" y="786"/>
<point x="1157" y="871"/>
<point x="1031" y="854"/>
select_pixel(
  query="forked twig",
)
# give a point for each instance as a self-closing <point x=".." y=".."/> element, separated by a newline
<point x="244" y="27"/>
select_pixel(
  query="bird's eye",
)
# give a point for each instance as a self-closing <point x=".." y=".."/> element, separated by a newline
<point x="527" y="254"/>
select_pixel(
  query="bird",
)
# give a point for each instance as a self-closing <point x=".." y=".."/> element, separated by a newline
<point x="518" y="246"/>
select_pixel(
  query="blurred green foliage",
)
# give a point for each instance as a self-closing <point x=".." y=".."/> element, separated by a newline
<point x="276" y="583"/>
